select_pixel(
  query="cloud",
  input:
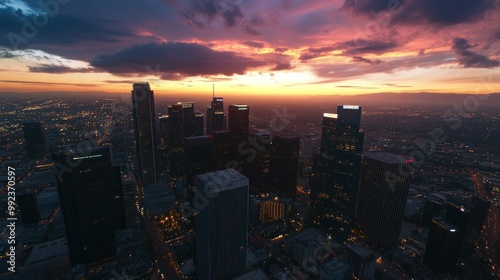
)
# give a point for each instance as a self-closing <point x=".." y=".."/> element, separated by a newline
<point x="281" y="50"/>
<point x="470" y="59"/>
<point x="201" y="12"/>
<point x="174" y="61"/>
<point x="439" y="12"/>
<point x="282" y="66"/>
<point x="58" y="69"/>
<point x="253" y="44"/>
<point x="60" y="30"/>
<point x="365" y="60"/>
<point x="350" y="48"/>
<point x="46" y="83"/>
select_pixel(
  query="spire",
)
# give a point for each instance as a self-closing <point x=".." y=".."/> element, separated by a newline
<point x="213" y="90"/>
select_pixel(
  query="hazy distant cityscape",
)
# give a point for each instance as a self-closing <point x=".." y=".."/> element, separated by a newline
<point x="153" y="187"/>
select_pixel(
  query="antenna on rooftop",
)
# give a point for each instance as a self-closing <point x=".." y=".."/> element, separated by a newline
<point x="213" y="90"/>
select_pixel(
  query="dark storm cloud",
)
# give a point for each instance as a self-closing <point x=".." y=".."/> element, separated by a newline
<point x="470" y="59"/>
<point x="60" y="30"/>
<point x="349" y="48"/>
<point x="365" y="60"/>
<point x="174" y="61"/>
<point x="253" y="44"/>
<point x="282" y="66"/>
<point x="202" y="12"/>
<point x="58" y="69"/>
<point x="440" y="12"/>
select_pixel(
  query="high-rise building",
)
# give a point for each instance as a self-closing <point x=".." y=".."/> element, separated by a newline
<point x="239" y="125"/>
<point x="34" y="138"/>
<point x="222" y="155"/>
<point x="257" y="168"/>
<point x="432" y="208"/>
<point x="143" y="107"/>
<point x="163" y="145"/>
<point x="91" y="196"/>
<point x="385" y="182"/>
<point x="336" y="172"/>
<point x="222" y="224"/>
<point x="458" y="214"/>
<point x="199" y="157"/>
<point x="197" y="124"/>
<point x="442" y="248"/>
<point x="28" y="206"/>
<point x="284" y="161"/>
<point x="362" y="262"/>
<point x="216" y="119"/>
<point x="176" y="140"/>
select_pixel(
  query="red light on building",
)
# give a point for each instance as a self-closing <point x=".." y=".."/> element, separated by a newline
<point x="409" y="160"/>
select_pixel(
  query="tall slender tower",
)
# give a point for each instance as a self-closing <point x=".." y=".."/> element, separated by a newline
<point x="222" y="225"/>
<point x="385" y="182"/>
<point x="336" y="172"/>
<point x="143" y="106"/>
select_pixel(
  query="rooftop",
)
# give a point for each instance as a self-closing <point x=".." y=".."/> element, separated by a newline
<point x="388" y="158"/>
<point x="222" y="180"/>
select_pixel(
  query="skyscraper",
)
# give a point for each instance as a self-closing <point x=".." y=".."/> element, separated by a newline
<point x="163" y="145"/>
<point x="238" y="124"/>
<point x="442" y="248"/>
<point x="35" y="139"/>
<point x="143" y="106"/>
<point x="91" y="198"/>
<point x="199" y="156"/>
<point x="176" y="140"/>
<point x="258" y="169"/>
<point x="222" y="224"/>
<point x="284" y="162"/>
<point x="216" y="119"/>
<point x="336" y="171"/>
<point x="385" y="182"/>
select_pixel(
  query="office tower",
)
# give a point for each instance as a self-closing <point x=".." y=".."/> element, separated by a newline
<point x="238" y="124"/>
<point x="442" y="248"/>
<point x="197" y="124"/>
<point x="188" y="117"/>
<point x="29" y="208"/>
<point x="361" y="261"/>
<point x="284" y="162"/>
<point x="199" y="156"/>
<point x="143" y="106"/>
<point x="432" y="208"/>
<point x="163" y="145"/>
<point x="216" y="119"/>
<point x="222" y="156"/>
<point x="176" y="140"/>
<point x="488" y="245"/>
<point x="221" y="225"/>
<point x="336" y="172"/>
<point x="164" y="129"/>
<point x="35" y="139"/>
<point x="257" y="169"/>
<point x="385" y="182"/>
<point x="91" y="199"/>
<point x="479" y="213"/>
<point x="458" y="214"/>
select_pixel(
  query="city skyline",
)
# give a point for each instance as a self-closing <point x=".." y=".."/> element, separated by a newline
<point x="281" y="48"/>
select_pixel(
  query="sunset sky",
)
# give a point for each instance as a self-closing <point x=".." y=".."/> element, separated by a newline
<point x="251" y="47"/>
